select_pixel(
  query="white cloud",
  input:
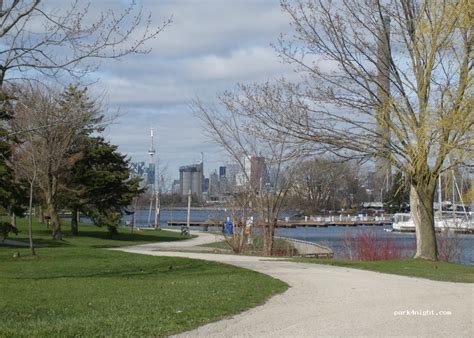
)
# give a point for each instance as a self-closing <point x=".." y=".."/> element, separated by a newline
<point x="210" y="46"/>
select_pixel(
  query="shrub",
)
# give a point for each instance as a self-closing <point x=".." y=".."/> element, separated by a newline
<point x="449" y="246"/>
<point x="367" y="246"/>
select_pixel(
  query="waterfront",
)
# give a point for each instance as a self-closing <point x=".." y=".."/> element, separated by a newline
<point x="333" y="237"/>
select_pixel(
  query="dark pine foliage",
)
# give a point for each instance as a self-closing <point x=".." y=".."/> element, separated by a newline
<point x="100" y="185"/>
<point x="397" y="198"/>
<point x="12" y="192"/>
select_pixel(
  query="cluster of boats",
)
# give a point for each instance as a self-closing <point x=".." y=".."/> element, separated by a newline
<point x="454" y="221"/>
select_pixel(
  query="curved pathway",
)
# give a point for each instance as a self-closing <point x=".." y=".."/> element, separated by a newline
<point x="333" y="301"/>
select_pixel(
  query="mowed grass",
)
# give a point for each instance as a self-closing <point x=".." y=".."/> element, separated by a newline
<point x="76" y="287"/>
<point x="440" y="271"/>
<point x="91" y="236"/>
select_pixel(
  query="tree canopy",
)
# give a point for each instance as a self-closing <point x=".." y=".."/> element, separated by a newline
<point x="389" y="80"/>
<point x="100" y="185"/>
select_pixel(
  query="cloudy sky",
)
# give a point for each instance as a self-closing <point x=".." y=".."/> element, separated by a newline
<point x="210" y="46"/>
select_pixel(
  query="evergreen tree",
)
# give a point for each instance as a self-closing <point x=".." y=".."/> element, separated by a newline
<point x="397" y="198"/>
<point x="12" y="191"/>
<point x="100" y="185"/>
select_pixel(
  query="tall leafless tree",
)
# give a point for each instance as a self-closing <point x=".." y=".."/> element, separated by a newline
<point x="398" y="90"/>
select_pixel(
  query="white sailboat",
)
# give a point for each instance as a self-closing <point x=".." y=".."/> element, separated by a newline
<point x="459" y="221"/>
<point x="403" y="222"/>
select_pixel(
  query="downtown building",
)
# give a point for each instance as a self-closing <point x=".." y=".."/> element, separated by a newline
<point x="254" y="172"/>
<point x="191" y="179"/>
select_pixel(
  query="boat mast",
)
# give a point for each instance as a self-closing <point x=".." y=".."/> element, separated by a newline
<point x="157" y="197"/>
<point x="188" y="219"/>
<point x="440" y="198"/>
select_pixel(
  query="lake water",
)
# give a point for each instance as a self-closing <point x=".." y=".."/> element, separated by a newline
<point x="332" y="237"/>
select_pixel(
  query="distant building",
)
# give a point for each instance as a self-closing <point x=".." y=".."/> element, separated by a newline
<point x="255" y="172"/>
<point x="222" y="172"/>
<point x="232" y="171"/>
<point x="147" y="174"/>
<point x="175" y="188"/>
<point x="213" y="185"/>
<point x="258" y="172"/>
<point x="191" y="179"/>
<point x="138" y="168"/>
<point x="151" y="174"/>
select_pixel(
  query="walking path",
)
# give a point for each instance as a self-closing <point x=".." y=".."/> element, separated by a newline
<point x="333" y="301"/>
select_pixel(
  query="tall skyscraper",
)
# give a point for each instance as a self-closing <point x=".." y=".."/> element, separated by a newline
<point x="254" y="172"/>
<point x="213" y="185"/>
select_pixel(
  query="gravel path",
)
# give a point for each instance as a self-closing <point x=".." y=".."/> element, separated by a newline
<point x="333" y="301"/>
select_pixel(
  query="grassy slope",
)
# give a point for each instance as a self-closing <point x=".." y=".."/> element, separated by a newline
<point x="74" y="287"/>
<point x="440" y="271"/>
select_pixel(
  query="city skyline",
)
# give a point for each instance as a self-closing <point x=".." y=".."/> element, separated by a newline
<point x="200" y="55"/>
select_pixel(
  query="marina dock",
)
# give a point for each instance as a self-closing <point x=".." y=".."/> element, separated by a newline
<point x="295" y="224"/>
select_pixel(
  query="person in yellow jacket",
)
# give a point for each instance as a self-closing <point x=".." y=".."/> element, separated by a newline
<point x="248" y="229"/>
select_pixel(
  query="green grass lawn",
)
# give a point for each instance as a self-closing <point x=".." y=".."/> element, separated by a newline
<point x="76" y="287"/>
<point x="91" y="236"/>
<point x="440" y="271"/>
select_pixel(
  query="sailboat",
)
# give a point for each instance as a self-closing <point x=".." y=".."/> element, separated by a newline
<point x="461" y="221"/>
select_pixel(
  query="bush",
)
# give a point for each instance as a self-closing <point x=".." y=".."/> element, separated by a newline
<point x="367" y="246"/>
<point x="449" y="246"/>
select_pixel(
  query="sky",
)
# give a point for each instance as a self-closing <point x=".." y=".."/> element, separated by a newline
<point x="210" y="46"/>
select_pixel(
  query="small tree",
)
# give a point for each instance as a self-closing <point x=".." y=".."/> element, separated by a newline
<point x="26" y="166"/>
<point x="265" y="176"/>
<point x="239" y="204"/>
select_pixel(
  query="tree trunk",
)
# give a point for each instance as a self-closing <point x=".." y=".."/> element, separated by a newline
<point x="74" y="222"/>
<point x="268" y="234"/>
<point x="13" y="219"/>
<point x="270" y="237"/>
<point x="41" y="214"/>
<point x="55" y="222"/>
<point x="421" y="204"/>
<point x="30" y="220"/>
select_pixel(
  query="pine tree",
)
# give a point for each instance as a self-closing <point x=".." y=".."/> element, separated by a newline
<point x="12" y="191"/>
<point x="100" y="185"/>
<point x="397" y="198"/>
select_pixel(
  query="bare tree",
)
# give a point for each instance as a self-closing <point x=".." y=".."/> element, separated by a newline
<point x="239" y="205"/>
<point x="265" y="171"/>
<point x="385" y="79"/>
<point x="50" y="41"/>
<point x="56" y="135"/>
<point x="25" y="166"/>
<point x="325" y="183"/>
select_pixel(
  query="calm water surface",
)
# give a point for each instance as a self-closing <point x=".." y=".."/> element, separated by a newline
<point x="332" y="237"/>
